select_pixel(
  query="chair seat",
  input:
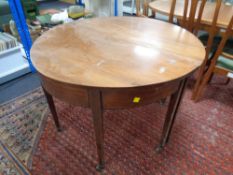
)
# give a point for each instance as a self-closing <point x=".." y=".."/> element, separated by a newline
<point x="228" y="46"/>
<point x="225" y="63"/>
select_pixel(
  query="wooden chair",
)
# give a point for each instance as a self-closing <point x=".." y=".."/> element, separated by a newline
<point x="211" y="41"/>
<point x="192" y="14"/>
<point x="191" y="11"/>
<point x="191" y="20"/>
<point x="219" y="65"/>
<point x="144" y="4"/>
<point x="188" y="21"/>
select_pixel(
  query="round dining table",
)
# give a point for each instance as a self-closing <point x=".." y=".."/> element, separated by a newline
<point x="225" y="13"/>
<point x="115" y="63"/>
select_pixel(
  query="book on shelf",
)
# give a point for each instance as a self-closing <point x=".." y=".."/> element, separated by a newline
<point x="7" y="41"/>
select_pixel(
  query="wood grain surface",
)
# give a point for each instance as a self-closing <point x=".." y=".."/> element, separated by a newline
<point x="117" y="52"/>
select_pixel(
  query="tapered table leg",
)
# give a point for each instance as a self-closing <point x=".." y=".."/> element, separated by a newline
<point x="95" y="101"/>
<point x="171" y="114"/>
<point x="52" y="109"/>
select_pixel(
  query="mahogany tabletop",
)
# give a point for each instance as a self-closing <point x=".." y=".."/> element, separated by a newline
<point x="117" y="52"/>
<point x="225" y="14"/>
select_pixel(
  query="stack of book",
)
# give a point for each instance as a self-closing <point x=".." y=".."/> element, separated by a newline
<point x="7" y="41"/>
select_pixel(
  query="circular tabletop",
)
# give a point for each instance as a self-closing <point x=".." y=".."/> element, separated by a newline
<point x="117" y="52"/>
<point x="225" y="13"/>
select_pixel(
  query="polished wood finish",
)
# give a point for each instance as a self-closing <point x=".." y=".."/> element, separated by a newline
<point x="115" y="62"/>
<point x="192" y="23"/>
<point x="191" y="20"/>
<point x="163" y="7"/>
<point x="91" y="53"/>
<point x="213" y="68"/>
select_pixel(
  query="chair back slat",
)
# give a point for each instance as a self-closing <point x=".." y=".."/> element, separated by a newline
<point x="186" y="4"/>
<point x="198" y="22"/>
<point x="213" y="29"/>
<point x="191" y="7"/>
<point x="144" y="9"/>
<point x="138" y="7"/>
<point x="228" y="33"/>
<point x="192" y="14"/>
<point x="172" y="10"/>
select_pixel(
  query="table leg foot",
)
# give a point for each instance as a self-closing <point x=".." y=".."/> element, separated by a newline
<point x="100" y="167"/>
<point x="59" y="129"/>
<point x="159" y="148"/>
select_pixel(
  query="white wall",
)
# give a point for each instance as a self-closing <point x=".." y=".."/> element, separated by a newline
<point x="103" y="7"/>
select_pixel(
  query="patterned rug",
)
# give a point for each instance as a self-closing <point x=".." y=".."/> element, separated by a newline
<point x="21" y="122"/>
<point x="201" y="141"/>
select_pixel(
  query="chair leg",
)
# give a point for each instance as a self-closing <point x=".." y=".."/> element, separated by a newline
<point x="198" y="80"/>
<point x="201" y="72"/>
<point x="206" y="79"/>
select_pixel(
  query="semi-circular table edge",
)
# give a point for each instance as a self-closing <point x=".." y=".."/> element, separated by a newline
<point x="112" y="98"/>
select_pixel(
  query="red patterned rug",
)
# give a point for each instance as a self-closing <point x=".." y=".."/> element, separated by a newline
<point x="201" y="141"/>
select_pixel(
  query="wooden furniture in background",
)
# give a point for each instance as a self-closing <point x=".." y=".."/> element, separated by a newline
<point x="144" y="5"/>
<point x="192" y="14"/>
<point x="222" y="66"/>
<point x="215" y="16"/>
<point x="117" y="62"/>
<point x="224" y="17"/>
<point x="212" y="30"/>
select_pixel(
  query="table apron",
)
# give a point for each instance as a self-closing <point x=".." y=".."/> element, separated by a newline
<point x="66" y="92"/>
<point x="111" y="98"/>
<point x="133" y="97"/>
